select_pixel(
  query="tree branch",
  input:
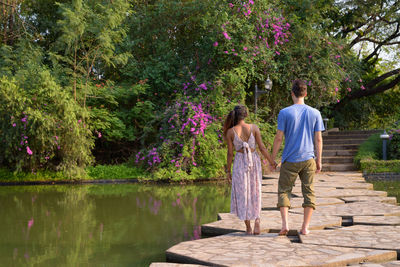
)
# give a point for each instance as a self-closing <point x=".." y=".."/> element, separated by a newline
<point x="382" y="77"/>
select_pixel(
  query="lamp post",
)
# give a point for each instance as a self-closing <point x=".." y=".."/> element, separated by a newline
<point x="384" y="138"/>
<point x="268" y="88"/>
<point x="326" y="123"/>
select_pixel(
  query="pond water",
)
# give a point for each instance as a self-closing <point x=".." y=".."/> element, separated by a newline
<point x="102" y="225"/>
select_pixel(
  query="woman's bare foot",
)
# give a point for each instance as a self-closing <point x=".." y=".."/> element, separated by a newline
<point x="249" y="231"/>
<point x="304" y="231"/>
<point x="284" y="231"/>
<point x="257" y="227"/>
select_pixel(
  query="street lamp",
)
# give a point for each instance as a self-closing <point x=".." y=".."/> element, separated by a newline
<point x="268" y="88"/>
<point x="384" y="137"/>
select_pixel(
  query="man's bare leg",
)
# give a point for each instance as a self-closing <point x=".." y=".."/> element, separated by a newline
<point x="308" y="211"/>
<point x="248" y="227"/>
<point x="285" y="221"/>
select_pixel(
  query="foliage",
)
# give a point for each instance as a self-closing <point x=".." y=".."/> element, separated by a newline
<point x="377" y="166"/>
<point x="391" y="187"/>
<point x="369" y="156"/>
<point x="394" y="145"/>
<point x="41" y="126"/>
<point x="370" y="149"/>
<point x="122" y="171"/>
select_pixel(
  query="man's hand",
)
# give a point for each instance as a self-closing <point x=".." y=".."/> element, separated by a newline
<point x="319" y="165"/>
<point x="229" y="177"/>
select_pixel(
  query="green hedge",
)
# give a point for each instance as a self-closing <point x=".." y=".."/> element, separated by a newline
<point x="369" y="154"/>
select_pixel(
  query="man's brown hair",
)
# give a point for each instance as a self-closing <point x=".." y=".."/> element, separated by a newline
<point x="299" y="88"/>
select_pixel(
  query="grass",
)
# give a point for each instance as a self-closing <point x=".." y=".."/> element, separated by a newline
<point x="369" y="155"/>
<point x="122" y="171"/>
<point x="391" y="187"/>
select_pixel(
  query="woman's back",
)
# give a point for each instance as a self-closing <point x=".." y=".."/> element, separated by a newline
<point x="243" y="133"/>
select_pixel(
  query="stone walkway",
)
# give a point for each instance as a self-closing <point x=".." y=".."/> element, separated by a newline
<point x="353" y="225"/>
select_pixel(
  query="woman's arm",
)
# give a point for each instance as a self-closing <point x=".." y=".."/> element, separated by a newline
<point x="229" y="157"/>
<point x="262" y="148"/>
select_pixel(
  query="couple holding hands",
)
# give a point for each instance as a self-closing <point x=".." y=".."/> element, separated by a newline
<point x="301" y="126"/>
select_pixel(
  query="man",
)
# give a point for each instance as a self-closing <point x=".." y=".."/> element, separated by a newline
<point x="301" y="125"/>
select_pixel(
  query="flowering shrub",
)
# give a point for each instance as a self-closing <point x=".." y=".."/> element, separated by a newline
<point x="42" y="127"/>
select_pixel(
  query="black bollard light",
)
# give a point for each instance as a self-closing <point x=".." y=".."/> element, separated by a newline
<point x="384" y="138"/>
<point x="268" y="88"/>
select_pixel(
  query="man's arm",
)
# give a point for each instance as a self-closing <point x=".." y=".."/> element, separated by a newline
<point x="318" y="149"/>
<point x="277" y="143"/>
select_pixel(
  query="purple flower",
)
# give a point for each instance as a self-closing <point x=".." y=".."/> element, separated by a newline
<point x="215" y="44"/>
<point x="203" y="86"/>
<point x="23" y="119"/>
<point x="226" y="35"/>
<point x="14" y="124"/>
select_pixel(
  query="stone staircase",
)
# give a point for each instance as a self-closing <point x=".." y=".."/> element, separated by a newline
<point x="340" y="147"/>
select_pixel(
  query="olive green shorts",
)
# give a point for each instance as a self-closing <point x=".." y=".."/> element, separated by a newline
<point x="288" y="175"/>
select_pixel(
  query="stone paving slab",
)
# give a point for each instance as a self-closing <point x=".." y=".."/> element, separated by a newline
<point x="355" y="209"/>
<point x="237" y="249"/>
<point x="340" y="193"/>
<point x="357" y="236"/>
<point x="343" y="185"/>
<point x="389" y="200"/>
<point x="385" y="264"/>
<point x="167" y="264"/>
<point x="270" y="222"/>
<point x="269" y="201"/>
<point x="377" y="220"/>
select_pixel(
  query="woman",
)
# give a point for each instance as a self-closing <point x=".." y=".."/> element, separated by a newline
<point x="247" y="173"/>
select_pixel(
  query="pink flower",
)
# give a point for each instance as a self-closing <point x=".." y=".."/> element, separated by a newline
<point x="99" y="134"/>
<point x="30" y="223"/>
<point x="349" y="89"/>
<point x="338" y="100"/>
<point x="14" y="124"/>
<point x="277" y="53"/>
<point x="360" y="80"/>
<point x="230" y="5"/>
<point x="226" y="52"/>
<point x="28" y="150"/>
<point x="192" y="129"/>
<point x="362" y="87"/>
<point x="245" y="48"/>
<point x="215" y="44"/>
<point x="336" y="89"/>
<point x="79" y="121"/>
<point x="226" y="35"/>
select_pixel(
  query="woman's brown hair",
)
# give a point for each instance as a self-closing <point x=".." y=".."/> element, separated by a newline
<point x="236" y="115"/>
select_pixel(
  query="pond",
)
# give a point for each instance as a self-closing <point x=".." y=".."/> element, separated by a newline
<point x="102" y="225"/>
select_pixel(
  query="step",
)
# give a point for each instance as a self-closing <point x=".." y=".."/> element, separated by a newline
<point x="332" y="153"/>
<point x="342" y="167"/>
<point x="341" y="147"/>
<point x="343" y="141"/>
<point x="350" y="136"/>
<point x="327" y="160"/>
<point x="355" y="132"/>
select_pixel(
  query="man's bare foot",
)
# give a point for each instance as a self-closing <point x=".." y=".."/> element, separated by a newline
<point x="304" y="231"/>
<point x="256" y="227"/>
<point x="284" y="231"/>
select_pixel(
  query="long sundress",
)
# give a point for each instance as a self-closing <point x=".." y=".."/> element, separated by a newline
<point x="246" y="179"/>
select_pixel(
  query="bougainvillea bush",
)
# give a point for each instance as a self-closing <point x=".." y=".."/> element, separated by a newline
<point x="42" y="127"/>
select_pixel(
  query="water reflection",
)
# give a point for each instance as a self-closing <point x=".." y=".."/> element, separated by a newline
<point x="107" y="225"/>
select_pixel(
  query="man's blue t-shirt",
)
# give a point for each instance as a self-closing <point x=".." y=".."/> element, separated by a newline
<point x="299" y="123"/>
